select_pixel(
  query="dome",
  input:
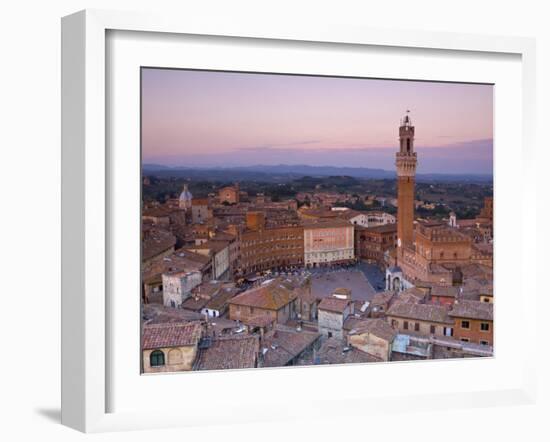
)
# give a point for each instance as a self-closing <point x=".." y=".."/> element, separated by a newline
<point x="185" y="195"/>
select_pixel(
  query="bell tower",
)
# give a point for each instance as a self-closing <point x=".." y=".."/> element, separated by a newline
<point x="405" y="161"/>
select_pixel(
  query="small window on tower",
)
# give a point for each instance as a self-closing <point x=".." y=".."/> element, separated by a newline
<point x="408" y="145"/>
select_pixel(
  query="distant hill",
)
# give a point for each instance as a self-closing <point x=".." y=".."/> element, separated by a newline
<point x="282" y="171"/>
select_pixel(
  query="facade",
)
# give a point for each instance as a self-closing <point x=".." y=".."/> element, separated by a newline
<point x="177" y="286"/>
<point x="169" y="347"/>
<point x="333" y="312"/>
<point x="427" y="319"/>
<point x="264" y="248"/>
<point x="376" y="218"/>
<point x="199" y="210"/>
<point x="229" y="194"/>
<point x="406" y="173"/>
<point x="372" y="243"/>
<point x="274" y="299"/>
<point x="328" y="242"/>
<point x="473" y="321"/>
<point x="373" y="336"/>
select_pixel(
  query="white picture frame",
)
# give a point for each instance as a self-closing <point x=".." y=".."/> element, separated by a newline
<point x="86" y="203"/>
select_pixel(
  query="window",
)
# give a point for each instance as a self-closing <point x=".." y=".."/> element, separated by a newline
<point x="406" y="325"/>
<point x="484" y="326"/>
<point x="416" y="326"/>
<point x="464" y="339"/>
<point x="156" y="358"/>
<point x="432" y="329"/>
<point x="483" y="342"/>
<point x="465" y="324"/>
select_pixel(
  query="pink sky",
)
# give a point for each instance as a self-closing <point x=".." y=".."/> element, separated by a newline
<point x="203" y="118"/>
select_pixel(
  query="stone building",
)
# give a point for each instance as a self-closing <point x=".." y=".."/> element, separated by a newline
<point x="328" y="242"/>
<point x="274" y="298"/>
<point x="473" y="321"/>
<point x="373" y="336"/>
<point x="333" y="312"/>
<point x="264" y="248"/>
<point x="218" y="252"/>
<point x="229" y="194"/>
<point x="169" y="347"/>
<point x="373" y="242"/>
<point x="427" y="319"/>
<point x="177" y="286"/>
<point x="200" y="212"/>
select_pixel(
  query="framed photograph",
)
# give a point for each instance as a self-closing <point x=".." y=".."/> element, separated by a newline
<point x="286" y="211"/>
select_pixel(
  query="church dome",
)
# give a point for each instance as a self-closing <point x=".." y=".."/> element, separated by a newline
<point x="186" y="195"/>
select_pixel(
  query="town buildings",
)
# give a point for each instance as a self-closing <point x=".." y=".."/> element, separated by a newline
<point x="328" y="242"/>
<point x="234" y="280"/>
<point x="263" y="248"/>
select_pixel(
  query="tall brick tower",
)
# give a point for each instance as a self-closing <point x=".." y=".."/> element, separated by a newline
<point x="405" y="160"/>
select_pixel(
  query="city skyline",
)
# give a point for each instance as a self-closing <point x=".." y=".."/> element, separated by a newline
<point x="217" y="119"/>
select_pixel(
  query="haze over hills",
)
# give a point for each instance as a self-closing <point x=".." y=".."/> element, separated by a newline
<point x="272" y="173"/>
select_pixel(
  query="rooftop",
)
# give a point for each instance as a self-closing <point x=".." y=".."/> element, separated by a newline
<point x="472" y="310"/>
<point x="333" y="351"/>
<point x="282" y="346"/>
<point x="170" y="335"/>
<point x="376" y="327"/>
<point x="271" y="295"/>
<point x="421" y="312"/>
<point x="334" y="305"/>
<point x="229" y="352"/>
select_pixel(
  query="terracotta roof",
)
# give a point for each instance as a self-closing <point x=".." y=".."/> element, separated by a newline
<point x="283" y="346"/>
<point x="334" y="304"/>
<point x="384" y="228"/>
<point x="229" y="353"/>
<point x="157" y="212"/>
<point x="377" y="327"/>
<point x="472" y="310"/>
<point x="326" y="223"/>
<point x="332" y="352"/>
<point x="170" y="335"/>
<point x="421" y="312"/>
<point x="156" y="242"/>
<point x="448" y="292"/>
<point x="221" y="299"/>
<point x="199" y="202"/>
<point x="271" y="295"/>
<point x="412" y="295"/>
<point x="382" y="298"/>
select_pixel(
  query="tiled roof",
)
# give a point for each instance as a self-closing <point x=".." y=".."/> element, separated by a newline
<point x="472" y="310"/>
<point x="281" y="346"/>
<point x="333" y="351"/>
<point x="272" y="295"/>
<point x="156" y="242"/>
<point x="421" y="312"/>
<point x="384" y="228"/>
<point x="334" y="304"/>
<point x="377" y="327"/>
<point x="231" y="352"/>
<point x="381" y="298"/>
<point x="326" y="223"/>
<point x="170" y="335"/>
<point x="221" y="298"/>
<point x="449" y="292"/>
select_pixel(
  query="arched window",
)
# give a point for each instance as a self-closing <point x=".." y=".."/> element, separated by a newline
<point x="408" y="145"/>
<point x="157" y="358"/>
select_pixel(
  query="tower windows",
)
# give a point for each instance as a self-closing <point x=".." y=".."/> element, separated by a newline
<point x="408" y="145"/>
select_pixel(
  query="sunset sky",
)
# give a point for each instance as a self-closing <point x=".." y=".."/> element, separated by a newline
<point x="201" y="118"/>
